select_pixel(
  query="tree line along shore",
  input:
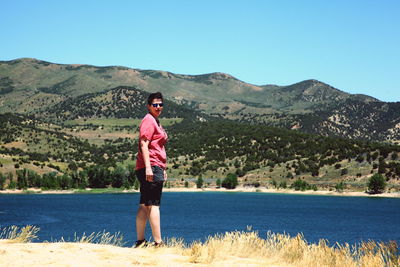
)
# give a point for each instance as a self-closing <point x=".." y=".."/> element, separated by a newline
<point x="30" y="182"/>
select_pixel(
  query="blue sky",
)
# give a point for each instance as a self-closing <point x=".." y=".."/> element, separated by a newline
<point x="351" y="45"/>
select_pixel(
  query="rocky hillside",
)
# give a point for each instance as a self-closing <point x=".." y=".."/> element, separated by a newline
<point x="62" y="92"/>
<point x="356" y="119"/>
<point x="119" y="102"/>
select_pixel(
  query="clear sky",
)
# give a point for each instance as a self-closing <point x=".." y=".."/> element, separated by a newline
<point x="353" y="45"/>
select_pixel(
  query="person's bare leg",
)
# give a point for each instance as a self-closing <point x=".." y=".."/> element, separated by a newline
<point x="141" y="220"/>
<point x="154" y="218"/>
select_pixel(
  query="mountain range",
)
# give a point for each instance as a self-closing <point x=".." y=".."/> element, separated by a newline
<point x="62" y="92"/>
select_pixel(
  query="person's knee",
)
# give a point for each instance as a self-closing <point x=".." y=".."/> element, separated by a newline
<point x="142" y="209"/>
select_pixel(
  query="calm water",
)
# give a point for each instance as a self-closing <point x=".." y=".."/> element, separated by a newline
<point x="194" y="216"/>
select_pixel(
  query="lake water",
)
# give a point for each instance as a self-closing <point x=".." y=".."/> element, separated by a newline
<point x="194" y="216"/>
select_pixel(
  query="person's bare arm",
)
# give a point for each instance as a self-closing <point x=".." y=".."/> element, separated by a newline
<point x="144" y="146"/>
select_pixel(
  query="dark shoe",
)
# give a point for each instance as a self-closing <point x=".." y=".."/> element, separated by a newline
<point x="157" y="245"/>
<point x="140" y="244"/>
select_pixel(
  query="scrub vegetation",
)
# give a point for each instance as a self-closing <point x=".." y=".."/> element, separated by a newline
<point x="34" y="153"/>
<point x="232" y="248"/>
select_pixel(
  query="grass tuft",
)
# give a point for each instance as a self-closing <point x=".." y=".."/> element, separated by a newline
<point x="103" y="238"/>
<point x="14" y="234"/>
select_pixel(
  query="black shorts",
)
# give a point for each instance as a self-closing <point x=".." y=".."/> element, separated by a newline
<point x="150" y="192"/>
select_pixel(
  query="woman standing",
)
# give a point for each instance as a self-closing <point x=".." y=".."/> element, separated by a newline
<point x="150" y="170"/>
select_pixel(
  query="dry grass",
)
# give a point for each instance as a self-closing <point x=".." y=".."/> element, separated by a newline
<point x="102" y="238"/>
<point x="14" y="234"/>
<point x="238" y="248"/>
<point x="295" y="251"/>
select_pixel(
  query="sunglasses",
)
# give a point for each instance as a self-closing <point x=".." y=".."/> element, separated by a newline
<point x="157" y="105"/>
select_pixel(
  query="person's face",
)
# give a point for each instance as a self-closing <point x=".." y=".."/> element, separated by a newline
<point x="156" y="107"/>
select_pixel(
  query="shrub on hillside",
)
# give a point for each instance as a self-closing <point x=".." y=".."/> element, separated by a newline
<point x="340" y="186"/>
<point x="218" y="183"/>
<point x="282" y="185"/>
<point x="376" y="184"/>
<point x="230" y="182"/>
<point x="199" y="182"/>
<point x="2" y="181"/>
<point x="314" y="187"/>
<point x="300" y="185"/>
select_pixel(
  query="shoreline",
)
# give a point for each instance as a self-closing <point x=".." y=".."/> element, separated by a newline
<point x="284" y="191"/>
<point x="239" y="189"/>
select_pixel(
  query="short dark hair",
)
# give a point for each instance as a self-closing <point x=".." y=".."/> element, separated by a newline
<point x="153" y="96"/>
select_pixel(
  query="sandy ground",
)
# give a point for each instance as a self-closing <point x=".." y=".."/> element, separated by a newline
<point x="35" y="190"/>
<point x="83" y="254"/>
<point x="238" y="189"/>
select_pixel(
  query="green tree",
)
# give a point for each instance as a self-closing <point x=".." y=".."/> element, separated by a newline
<point x="199" y="182"/>
<point x="131" y="178"/>
<point x="79" y="179"/>
<point x="340" y="186"/>
<point x="360" y="158"/>
<point x="195" y="170"/>
<point x="282" y="185"/>
<point x="240" y="172"/>
<point x="118" y="177"/>
<point x="50" y="181"/>
<point x="218" y="183"/>
<point x="314" y="187"/>
<point x="12" y="184"/>
<point x="22" y="180"/>
<point x="73" y="166"/>
<point x="65" y="181"/>
<point x="300" y="185"/>
<point x="237" y="164"/>
<point x="99" y="176"/>
<point x="136" y="184"/>
<point x="186" y="184"/>
<point x="34" y="179"/>
<point x="376" y="184"/>
<point x="2" y="181"/>
<point x="230" y="182"/>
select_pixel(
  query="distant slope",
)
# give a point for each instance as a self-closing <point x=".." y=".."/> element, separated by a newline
<point x="62" y="91"/>
<point x="119" y="102"/>
<point x="23" y="79"/>
<point x="356" y="119"/>
<point x="347" y="118"/>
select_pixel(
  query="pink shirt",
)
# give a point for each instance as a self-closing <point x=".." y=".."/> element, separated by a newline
<point x="150" y="130"/>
